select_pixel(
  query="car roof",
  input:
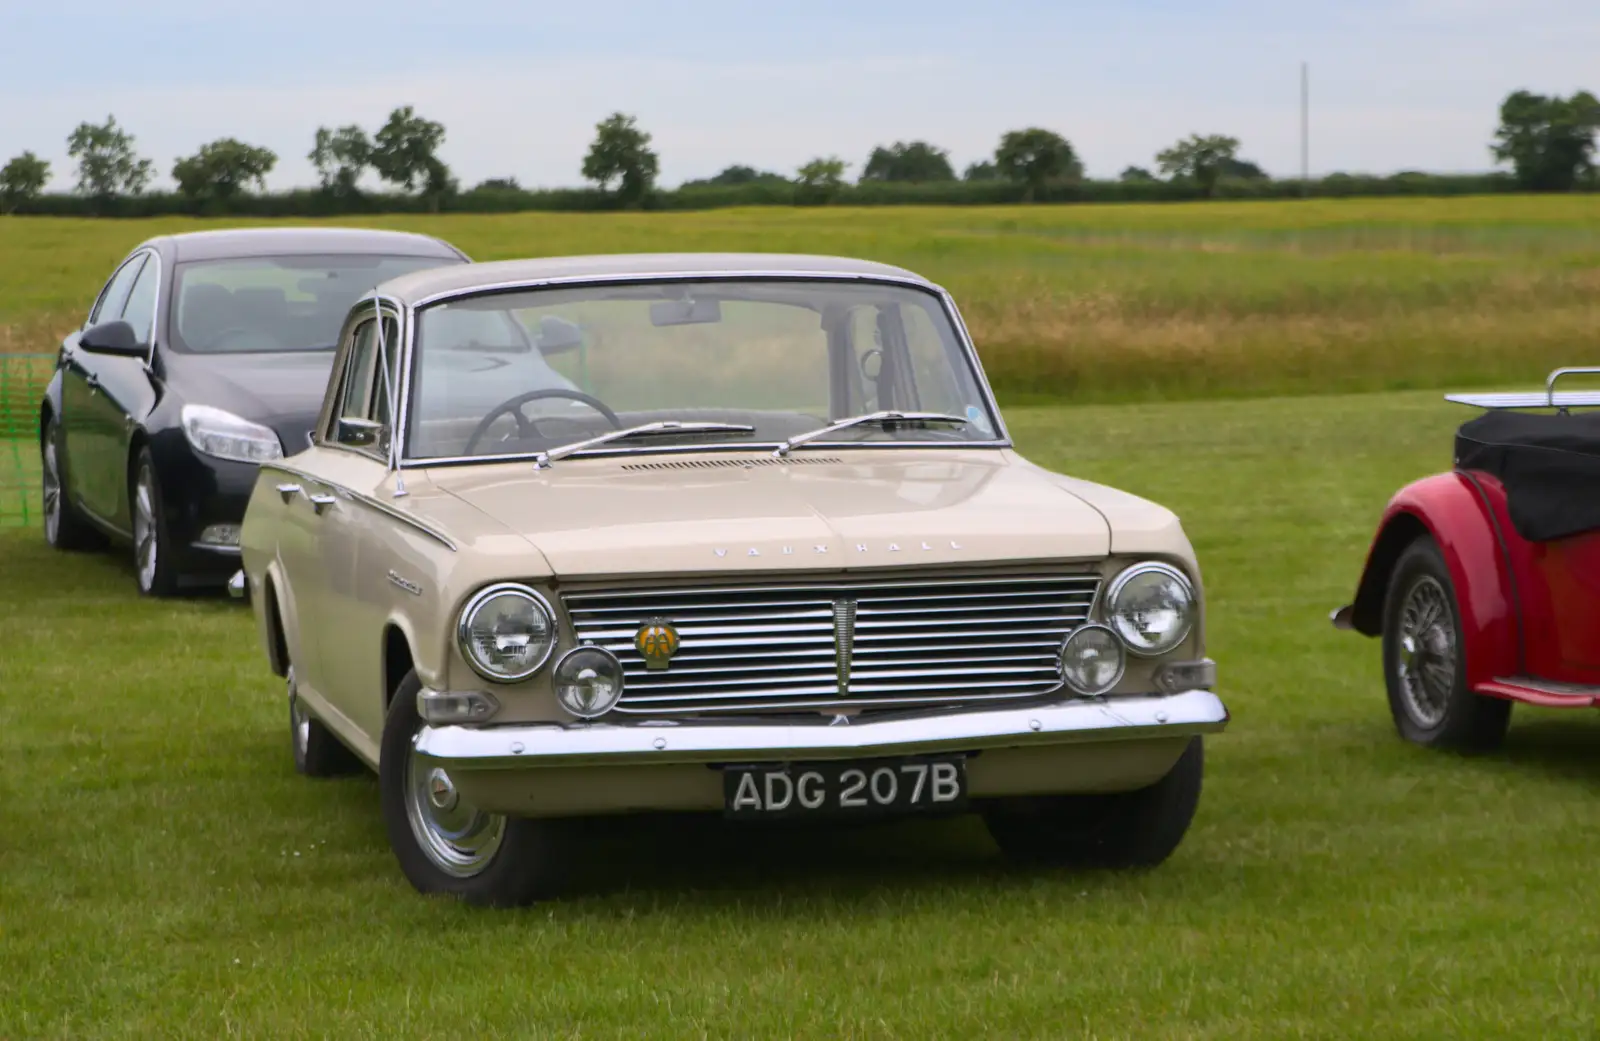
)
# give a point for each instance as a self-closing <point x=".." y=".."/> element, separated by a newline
<point x="421" y="285"/>
<point x="228" y="243"/>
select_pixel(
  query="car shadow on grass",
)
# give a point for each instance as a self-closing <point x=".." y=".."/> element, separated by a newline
<point x="1565" y="747"/>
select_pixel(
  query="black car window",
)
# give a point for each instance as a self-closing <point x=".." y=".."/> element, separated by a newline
<point x="115" y="295"/>
<point x="140" y="310"/>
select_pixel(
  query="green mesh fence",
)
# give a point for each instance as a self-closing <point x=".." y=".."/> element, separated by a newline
<point x="22" y="381"/>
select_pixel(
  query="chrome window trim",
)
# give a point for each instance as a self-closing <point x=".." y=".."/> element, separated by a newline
<point x="366" y="500"/>
<point x="495" y="589"/>
<point x="94" y="308"/>
<point x="952" y="313"/>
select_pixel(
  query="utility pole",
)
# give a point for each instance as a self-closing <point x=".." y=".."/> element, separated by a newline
<point x="1305" y="129"/>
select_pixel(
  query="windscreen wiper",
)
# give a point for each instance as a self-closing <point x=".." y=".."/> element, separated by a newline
<point x="667" y="426"/>
<point x="881" y="418"/>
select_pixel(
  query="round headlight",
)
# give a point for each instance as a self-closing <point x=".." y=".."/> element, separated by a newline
<point x="507" y="633"/>
<point x="1151" y="606"/>
<point x="588" y="681"/>
<point x="1092" y="659"/>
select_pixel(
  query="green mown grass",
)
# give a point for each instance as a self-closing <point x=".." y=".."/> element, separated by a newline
<point x="1082" y="303"/>
<point x="163" y="872"/>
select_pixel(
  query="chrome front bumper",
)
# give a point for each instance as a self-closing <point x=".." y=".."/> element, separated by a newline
<point x="1080" y="721"/>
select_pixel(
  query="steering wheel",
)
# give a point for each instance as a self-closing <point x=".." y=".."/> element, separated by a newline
<point x="525" y="426"/>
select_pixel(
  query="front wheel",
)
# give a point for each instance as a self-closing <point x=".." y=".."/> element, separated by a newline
<point x="152" y="549"/>
<point x="1138" y="829"/>
<point x="443" y="843"/>
<point x="1424" y="661"/>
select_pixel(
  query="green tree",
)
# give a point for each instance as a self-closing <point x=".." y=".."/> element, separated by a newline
<point x="1034" y="158"/>
<point x="913" y="162"/>
<point x="107" y="163"/>
<point x="21" y="181"/>
<point x="405" y="153"/>
<point x="621" y="152"/>
<point x="1199" y="158"/>
<point x="498" y="184"/>
<point x="1549" y="141"/>
<point x="982" y="170"/>
<point x="819" y="180"/>
<point x="1136" y="175"/>
<point x="221" y="169"/>
<point x="341" y="156"/>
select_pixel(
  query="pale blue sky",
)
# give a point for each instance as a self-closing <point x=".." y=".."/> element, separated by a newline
<point x="1396" y="84"/>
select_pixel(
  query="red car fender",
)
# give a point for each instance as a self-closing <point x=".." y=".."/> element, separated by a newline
<point x="1450" y="507"/>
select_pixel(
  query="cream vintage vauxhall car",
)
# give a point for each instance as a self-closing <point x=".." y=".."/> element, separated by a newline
<point x="730" y="533"/>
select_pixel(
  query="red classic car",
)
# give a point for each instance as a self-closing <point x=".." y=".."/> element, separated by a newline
<point x="1484" y="582"/>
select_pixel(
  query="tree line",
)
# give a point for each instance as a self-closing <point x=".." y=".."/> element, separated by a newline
<point x="1548" y="141"/>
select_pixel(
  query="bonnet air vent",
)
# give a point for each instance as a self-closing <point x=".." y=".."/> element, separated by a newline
<point x="721" y="464"/>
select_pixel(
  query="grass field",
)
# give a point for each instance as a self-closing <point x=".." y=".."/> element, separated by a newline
<point x="1084" y="303"/>
<point x="164" y="873"/>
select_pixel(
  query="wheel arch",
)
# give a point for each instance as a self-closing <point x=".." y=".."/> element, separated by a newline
<point x="398" y="658"/>
<point x="1451" y="509"/>
<point x="273" y="634"/>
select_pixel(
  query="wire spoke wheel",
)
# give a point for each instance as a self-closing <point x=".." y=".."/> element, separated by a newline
<point x="1427" y="651"/>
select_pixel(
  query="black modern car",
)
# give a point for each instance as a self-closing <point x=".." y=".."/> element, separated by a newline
<point x="204" y="354"/>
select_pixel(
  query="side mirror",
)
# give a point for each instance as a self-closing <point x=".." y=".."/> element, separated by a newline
<point x="362" y="433"/>
<point x="558" y="336"/>
<point x="112" y="338"/>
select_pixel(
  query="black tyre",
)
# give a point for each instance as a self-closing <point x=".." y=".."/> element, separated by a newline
<point x="445" y="845"/>
<point x="317" y="752"/>
<point x="64" y="527"/>
<point x="1138" y="829"/>
<point x="153" y="564"/>
<point x="1424" y="660"/>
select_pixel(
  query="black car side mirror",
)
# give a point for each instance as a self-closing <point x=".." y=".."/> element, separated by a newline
<point x="112" y="338"/>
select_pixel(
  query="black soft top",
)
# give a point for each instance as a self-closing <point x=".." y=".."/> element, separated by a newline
<point x="1549" y="463"/>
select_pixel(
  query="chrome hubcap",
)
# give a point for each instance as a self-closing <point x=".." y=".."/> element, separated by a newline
<point x="52" y="489"/>
<point x="457" y="837"/>
<point x="299" y="722"/>
<point x="1426" y="659"/>
<point x="144" y="527"/>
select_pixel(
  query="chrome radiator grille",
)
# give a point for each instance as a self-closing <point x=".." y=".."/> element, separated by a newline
<point x="852" y="644"/>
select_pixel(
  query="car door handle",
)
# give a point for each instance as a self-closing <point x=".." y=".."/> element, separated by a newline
<point x="321" y="503"/>
<point x="288" y="491"/>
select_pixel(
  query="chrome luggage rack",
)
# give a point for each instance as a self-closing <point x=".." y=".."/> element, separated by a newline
<point x="1548" y="398"/>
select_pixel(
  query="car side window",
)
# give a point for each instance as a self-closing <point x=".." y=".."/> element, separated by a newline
<point x="140" y="310"/>
<point x="115" y="295"/>
<point x="362" y="405"/>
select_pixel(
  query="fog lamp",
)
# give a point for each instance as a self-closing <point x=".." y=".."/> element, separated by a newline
<point x="588" y="681"/>
<point x="1177" y="676"/>
<point x="220" y="535"/>
<point x="444" y="707"/>
<point x="1092" y="660"/>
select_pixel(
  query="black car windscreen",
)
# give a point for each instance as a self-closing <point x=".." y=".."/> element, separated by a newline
<point x="282" y="303"/>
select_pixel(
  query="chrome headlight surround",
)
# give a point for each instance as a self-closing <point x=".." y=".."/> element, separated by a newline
<point x="469" y="614"/>
<point x="1126" y="631"/>
<point x="581" y="667"/>
<point x="1087" y="631"/>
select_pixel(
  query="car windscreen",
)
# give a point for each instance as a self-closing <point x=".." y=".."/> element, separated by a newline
<point x="275" y="303"/>
<point x="508" y="373"/>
